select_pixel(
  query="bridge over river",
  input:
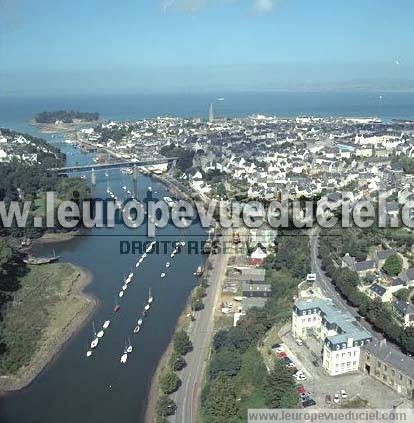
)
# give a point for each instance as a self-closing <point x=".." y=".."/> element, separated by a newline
<point x="113" y="165"/>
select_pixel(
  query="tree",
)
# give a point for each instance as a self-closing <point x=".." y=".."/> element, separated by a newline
<point x="165" y="406"/>
<point x="220" y="404"/>
<point x="393" y="265"/>
<point x="169" y="382"/>
<point x="177" y="361"/>
<point x="277" y="385"/>
<point x="227" y="362"/>
<point x="182" y="343"/>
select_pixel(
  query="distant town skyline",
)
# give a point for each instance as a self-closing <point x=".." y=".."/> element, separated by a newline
<point x="192" y="45"/>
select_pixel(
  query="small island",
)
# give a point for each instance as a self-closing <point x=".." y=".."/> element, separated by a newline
<point x="66" y="116"/>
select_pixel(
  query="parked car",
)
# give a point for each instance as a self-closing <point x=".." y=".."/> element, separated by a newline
<point x="300" y="389"/>
<point x="286" y="360"/>
<point x="299" y="377"/>
<point x="344" y="395"/>
<point x="328" y="399"/>
<point x="281" y="355"/>
<point x="309" y="402"/>
<point x="299" y="342"/>
<point x="315" y="363"/>
<point x="277" y="348"/>
<point x="336" y="398"/>
<point x="291" y="364"/>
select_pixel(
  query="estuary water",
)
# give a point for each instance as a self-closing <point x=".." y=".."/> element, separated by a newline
<point x="99" y="389"/>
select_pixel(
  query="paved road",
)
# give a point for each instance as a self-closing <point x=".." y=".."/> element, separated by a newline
<point x="328" y="289"/>
<point x="187" y="396"/>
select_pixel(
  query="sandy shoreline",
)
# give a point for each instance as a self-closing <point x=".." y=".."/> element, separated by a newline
<point x="51" y="347"/>
<point x="55" y="237"/>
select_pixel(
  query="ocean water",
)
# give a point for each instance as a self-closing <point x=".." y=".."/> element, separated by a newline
<point x="15" y="112"/>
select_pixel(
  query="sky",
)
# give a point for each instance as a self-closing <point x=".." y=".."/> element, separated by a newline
<point x="55" y="46"/>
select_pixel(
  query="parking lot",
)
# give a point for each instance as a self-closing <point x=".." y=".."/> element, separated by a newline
<point x="361" y="390"/>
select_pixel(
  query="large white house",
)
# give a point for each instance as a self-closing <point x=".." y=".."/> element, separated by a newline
<point x="341" y="335"/>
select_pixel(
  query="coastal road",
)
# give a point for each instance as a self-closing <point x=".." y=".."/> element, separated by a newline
<point x="187" y="397"/>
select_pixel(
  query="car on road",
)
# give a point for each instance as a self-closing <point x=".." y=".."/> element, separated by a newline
<point x="344" y="395"/>
<point x="336" y="398"/>
<point x="299" y="342"/>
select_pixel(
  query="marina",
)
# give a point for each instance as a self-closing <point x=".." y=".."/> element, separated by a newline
<point x="90" y="375"/>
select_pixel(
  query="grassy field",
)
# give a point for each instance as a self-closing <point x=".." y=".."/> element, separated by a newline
<point x="44" y="307"/>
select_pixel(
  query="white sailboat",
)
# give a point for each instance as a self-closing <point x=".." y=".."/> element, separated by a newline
<point x="129" y="347"/>
<point x="163" y="275"/>
<point x="124" y="358"/>
<point x="106" y="324"/>
<point x="150" y="297"/>
<point x="121" y="294"/>
<point x="100" y="334"/>
<point x="95" y="341"/>
<point x="139" y="321"/>
<point x="168" y="264"/>
<point x="88" y="353"/>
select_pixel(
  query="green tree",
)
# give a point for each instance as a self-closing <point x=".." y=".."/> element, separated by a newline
<point x="227" y="362"/>
<point x="177" y="361"/>
<point x="277" y="385"/>
<point x="221" y="403"/>
<point x="182" y="343"/>
<point x="393" y="265"/>
<point x="165" y="406"/>
<point x="169" y="382"/>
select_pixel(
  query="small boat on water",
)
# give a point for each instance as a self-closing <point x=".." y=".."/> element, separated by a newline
<point x="168" y="264"/>
<point x="121" y="294"/>
<point x="124" y="287"/>
<point x="183" y="243"/>
<point x="144" y="255"/>
<point x="131" y="275"/>
<point x="100" y="334"/>
<point x="137" y="328"/>
<point x="172" y="254"/>
<point x="129" y="347"/>
<point x="124" y="188"/>
<point x="88" y="353"/>
<point x="106" y="324"/>
<point x="163" y="275"/>
<point x="150" y="297"/>
<point x="95" y="341"/>
<point x="124" y="358"/>
<point x="137" y="264"/>
<point x="139" y="321"/>
<point x="117" y="307"/>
